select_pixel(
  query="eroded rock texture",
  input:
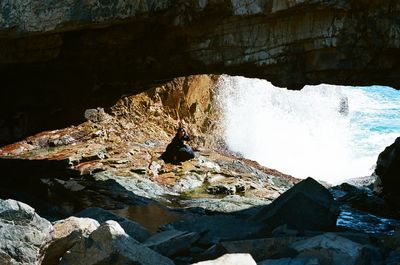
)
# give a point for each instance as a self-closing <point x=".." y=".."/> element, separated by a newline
<point x="387" y="172"/>
<point x="59" y="57"/>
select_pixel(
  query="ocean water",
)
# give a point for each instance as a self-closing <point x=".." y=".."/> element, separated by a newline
<point x="327" y="132"/>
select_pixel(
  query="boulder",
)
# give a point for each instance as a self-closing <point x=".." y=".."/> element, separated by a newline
<point x="67" y="233"/>
<point x="289" y="261"/>
<point x="132" y="228"/>
<point x="388" y="171"/>
<point x="24" y="235"/>
<point x="231" y="259"/>
<point x="306" y="206"/>
<point x="171" y="242"/>
<point x="329" y="249"/>
<point x="109" y="244"/>
<point x="260" y="249"/>
<point x="219" y="228"/>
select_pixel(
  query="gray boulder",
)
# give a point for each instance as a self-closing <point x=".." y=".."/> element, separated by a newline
<point x="306" y="206"/>
<point x="260" y="249"/>
<point x="133" y="229"/>
<point x="110" y="245"/>
<point x="329" y="248"/>
<point x="24" y="235"/>
<point x="171" y="242"/>
<point x="219" y="228"/>
<point x="67" y="233"/>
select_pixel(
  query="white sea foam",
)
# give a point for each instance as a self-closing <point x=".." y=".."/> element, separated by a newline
<point x="303" y="133"/>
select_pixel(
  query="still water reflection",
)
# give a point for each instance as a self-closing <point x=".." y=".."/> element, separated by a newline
<point x="151" y="216"/>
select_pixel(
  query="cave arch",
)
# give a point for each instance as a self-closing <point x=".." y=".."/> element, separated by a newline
<point x="58" y="59"/>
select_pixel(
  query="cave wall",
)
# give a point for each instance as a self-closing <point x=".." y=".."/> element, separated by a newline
<point x="59" y="57"/>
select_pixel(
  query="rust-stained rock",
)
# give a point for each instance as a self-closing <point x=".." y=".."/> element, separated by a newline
<point x="115" y="160"/>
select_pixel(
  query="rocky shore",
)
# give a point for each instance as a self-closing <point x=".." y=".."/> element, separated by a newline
<point x="99" y="194"/>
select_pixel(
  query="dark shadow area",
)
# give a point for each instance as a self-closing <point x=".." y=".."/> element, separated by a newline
<point x="55" y="191"/>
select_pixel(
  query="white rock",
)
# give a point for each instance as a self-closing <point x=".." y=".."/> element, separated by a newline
<point x="230" y="259"/>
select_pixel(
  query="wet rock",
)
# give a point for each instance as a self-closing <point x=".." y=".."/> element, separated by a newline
<point x="24" y="235"/>
<point x="365" y="222"/>
<point x="290" y="261"/>
<point x="109" y="244"/>
<point x="387" y="171"/>
<point x="329" y="249"/>
<point x="171" y="242"/>
<point x="361" y="199"/>
<point x="307" y="205"/>
<point x="67" y="233"/>
<point x="231" y="259"/>
<point x="132" y="228"/>
<point x="218" y="228"/>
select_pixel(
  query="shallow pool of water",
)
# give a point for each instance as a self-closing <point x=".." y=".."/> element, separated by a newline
<point x="151" y="216"/>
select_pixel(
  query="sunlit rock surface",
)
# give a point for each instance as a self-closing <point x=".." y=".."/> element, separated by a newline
<point x="112" y="160"/>
<point x="24" y="235"/>
<point x="67" y="233"/>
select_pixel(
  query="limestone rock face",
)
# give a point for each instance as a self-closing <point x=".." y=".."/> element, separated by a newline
<point x="24" y="235"/>
<point x="388" y="173"/>
<point x="307" y="205"/>
<point x="109" y="244"/>
<point x="74" y="55"/>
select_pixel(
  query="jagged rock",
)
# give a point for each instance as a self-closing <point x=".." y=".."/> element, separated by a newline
<point x="171" y="242"/>
<point x="388" y="172"/>
<point x="110" y="245"/>
<point x="362" y="199"/>
<point x="96" y="115"/>
<point x="329" y="249"/>
<point x="24" y="235"/>
<point x="218" y="228"/>
<point x="67" y="233"/>
<point x="307" y="205"/>
<point x="290" y="261"/>
<point x="132" y="228"/>
<point x="231" y="259"/>
<point x="260" y="249"/>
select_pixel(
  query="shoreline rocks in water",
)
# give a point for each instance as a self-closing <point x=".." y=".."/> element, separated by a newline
<point x="225" y="204"/>
<point x="206" y="238"/>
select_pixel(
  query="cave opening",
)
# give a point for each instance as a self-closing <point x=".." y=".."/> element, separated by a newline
<point x="328" y="132"/>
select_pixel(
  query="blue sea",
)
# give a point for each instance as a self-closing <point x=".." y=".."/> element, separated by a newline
<point x="328" y="132"/>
